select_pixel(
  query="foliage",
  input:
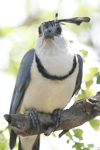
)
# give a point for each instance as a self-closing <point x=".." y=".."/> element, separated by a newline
<point x="95" y="123"/>
<point x="77" y="138"/>
<point x="3" y="142"/>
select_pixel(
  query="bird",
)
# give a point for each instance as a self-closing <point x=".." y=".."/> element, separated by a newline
<point x="50" y="74"/>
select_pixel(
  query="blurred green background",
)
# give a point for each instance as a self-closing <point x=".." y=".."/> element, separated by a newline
<point x="19" y="20"/>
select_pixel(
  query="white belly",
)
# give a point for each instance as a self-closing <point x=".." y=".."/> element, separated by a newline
<point x="47" y="95"/>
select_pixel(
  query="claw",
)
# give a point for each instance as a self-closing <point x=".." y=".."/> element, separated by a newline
<point x="35" y="119"/>
<point x="57" y="117"/>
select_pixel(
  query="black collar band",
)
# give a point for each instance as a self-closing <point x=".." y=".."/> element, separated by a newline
<point x="45" y="74"/>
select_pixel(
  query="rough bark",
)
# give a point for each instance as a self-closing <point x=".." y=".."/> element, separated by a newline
<point x="81" y="112"/>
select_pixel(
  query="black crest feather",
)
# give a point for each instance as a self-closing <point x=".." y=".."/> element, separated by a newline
<point x="76" y="20"/>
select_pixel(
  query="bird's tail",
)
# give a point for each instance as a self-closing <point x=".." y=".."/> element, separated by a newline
<point x="29" y="142"/>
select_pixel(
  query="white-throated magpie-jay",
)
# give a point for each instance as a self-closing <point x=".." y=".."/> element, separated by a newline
<point x="49" y="75"/>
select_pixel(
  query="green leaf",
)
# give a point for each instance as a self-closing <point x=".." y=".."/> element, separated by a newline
<point x="89" y="92"/>
<point x="86" y="148"/>
<point x="53" y="134"/>
<point x="84" y="52"/>
<point x="71" y="41"/>
<point x="89" y="83"/>
<point x="93" y="70"/>
<point x="90" y="145"/>
<point x="67" y="141"/>
<point x="78" y="146"/>
<point x="3" y="141"/>
<point x="98" y="79"/>
<point x="84" y="60"/>
<point x="78" y="133"/>
<point x="81" y="96"/>
<point x="88" y="77"/>
<point x="69" y="135"/>
<point x="95" y="124"/>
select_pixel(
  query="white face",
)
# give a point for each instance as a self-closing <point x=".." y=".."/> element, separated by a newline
<point x="50" y="32"/>
<point x="49" y="29"/>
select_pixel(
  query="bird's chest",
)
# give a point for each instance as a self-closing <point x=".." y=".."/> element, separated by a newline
<point x="56" y="62"/>
<point x="47" y="95"/>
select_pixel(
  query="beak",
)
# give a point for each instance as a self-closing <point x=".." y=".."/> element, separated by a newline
<point x="48" y="33"/>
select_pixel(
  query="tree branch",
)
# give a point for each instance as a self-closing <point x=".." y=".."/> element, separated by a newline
<point x="81" y="112"/>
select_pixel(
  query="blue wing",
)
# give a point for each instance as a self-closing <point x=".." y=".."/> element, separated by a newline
<point x="80" y="74"/>
<point x="22" y="81"/>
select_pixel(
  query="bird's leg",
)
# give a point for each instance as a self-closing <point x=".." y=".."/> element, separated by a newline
<point x="35" y="119"/>
<point x="57" y="118"/>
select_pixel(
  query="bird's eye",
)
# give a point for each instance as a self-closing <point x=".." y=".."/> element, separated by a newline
<point x="59" y="30"/>
<point x="39" y="30"/>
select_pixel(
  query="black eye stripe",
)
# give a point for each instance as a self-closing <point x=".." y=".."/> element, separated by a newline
<point x="39" y="30"/>
<point x="59" y="28"/>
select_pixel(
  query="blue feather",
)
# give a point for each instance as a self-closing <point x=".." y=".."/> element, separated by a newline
<point x="80" y="73"/>
<point x="22" y="81"/>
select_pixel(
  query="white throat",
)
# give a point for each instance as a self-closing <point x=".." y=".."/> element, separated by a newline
<point x="55" y="55"/>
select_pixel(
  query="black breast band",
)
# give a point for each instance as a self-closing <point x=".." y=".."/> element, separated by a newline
<point x="45" y="74"/>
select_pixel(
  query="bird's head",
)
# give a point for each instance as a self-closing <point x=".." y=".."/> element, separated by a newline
<point x="52" y="29"/>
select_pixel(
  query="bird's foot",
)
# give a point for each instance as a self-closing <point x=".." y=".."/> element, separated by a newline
<point x="35" y="119"/>
<point x="57" y="118"/>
